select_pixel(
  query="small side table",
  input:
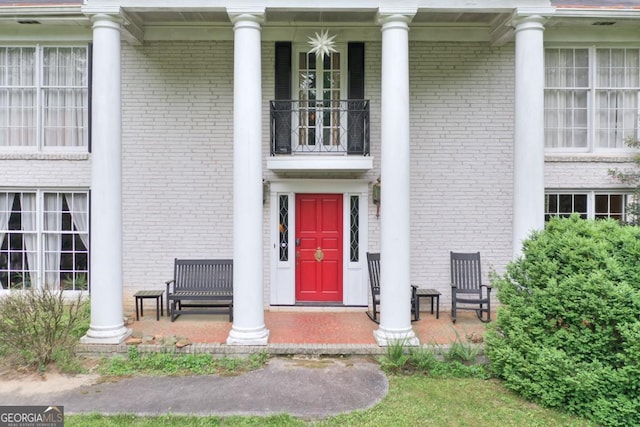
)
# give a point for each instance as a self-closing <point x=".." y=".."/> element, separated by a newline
<point x="142" y="295"/>
<point x="433" y="295"/>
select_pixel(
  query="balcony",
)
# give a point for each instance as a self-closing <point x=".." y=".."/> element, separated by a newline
<point x="319" y="135"/>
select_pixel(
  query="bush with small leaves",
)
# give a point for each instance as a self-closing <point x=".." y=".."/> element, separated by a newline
<point x="567" y="333"/>
<point x="41" y="326"/>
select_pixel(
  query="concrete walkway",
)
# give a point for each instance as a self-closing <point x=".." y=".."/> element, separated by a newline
<point x="302" y="387"/>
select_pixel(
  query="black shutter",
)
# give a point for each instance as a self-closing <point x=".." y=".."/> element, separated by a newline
<point x="281" y="109"/>
<point x="356" y="71"/>
<point x="356" y="103"/>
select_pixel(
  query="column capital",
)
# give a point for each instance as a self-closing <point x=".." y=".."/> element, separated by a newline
<point x="396" y="16"/>
<point x="531" y="18"/>
<point x="103" y="12"/>
<point x="255" y="15"/>
<point x="116" y="18"/>
<point x="107" y="20"/>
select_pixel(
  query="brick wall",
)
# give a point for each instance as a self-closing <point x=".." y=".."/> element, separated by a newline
<point x="177" y="157"/>
<point x="588" y="172"/>
<point x="461" y="157"/>
<point x="45" y="171"/>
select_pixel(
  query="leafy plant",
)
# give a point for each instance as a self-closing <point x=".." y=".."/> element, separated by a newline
<point x="463" y="352"/>
<point x="22" y="281"/>
<point x="76" y="282"/>
<point x="396" y="358"/>
<point x="425" y="360"/>
<point x="568" y="329"/>
<point x="40" y="326"/>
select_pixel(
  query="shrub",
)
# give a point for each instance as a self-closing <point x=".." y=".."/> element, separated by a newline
<point x="40" y="326"/>
<point x="568" y="329"/>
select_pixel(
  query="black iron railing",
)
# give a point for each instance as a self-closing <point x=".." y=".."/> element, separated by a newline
<point x="332" y="126"/>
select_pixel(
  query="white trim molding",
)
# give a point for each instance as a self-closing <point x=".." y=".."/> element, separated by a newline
<point x="355" y="279"/>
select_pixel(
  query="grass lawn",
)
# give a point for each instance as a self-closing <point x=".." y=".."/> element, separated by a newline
<point x="414" y="400"/>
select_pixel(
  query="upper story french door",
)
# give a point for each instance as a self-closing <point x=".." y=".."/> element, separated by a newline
<point x="321" y="119"/>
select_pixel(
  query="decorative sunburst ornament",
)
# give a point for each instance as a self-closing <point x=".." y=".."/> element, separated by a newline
<point x="322" y="44"/>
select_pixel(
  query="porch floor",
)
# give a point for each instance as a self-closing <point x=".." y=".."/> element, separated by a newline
<point x="302" y="326"/>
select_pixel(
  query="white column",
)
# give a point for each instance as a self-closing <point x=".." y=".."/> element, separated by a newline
<point x="528" y="162"/>
<point x="248" y="250"/>
<point x="107" y="326"/>
<point x="395" y="229"/>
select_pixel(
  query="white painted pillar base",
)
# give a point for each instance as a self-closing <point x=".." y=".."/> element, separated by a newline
<point x="395" y="219"/>
<point x="107" y="325"/>
<point x="387" y="337"/>
<point x="528" y="166"/>
<point x="248" y="251"/>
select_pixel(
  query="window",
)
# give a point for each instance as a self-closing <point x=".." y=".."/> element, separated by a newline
<point x="591" y="98"/>
<point x="44" y="240"/>
<point x="43" y="97"/>
<point x="591" y="205"/>
<point x="283" y="226"/>
<point x="320" y="121"/>
<point x="563" y="205"/>
<point x="354" y="228"/>
<point x="611" y="206"/>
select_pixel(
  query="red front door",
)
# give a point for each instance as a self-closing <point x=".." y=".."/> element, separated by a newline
<point x="319" y="247"/>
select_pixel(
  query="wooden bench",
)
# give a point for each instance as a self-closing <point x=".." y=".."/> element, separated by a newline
<point x="201" y="286"/>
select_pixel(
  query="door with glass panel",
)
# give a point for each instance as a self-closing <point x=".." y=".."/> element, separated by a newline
<point x="320" y="121"/>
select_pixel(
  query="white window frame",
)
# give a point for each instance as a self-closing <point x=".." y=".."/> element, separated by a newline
<point x="40" y="88"/>
<point x="37" y="272"/>
<point x="592" y="92"/>
<point x="591" y="200"/>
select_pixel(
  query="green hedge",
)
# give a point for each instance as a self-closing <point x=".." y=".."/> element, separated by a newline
<point x="567" y="333"/>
